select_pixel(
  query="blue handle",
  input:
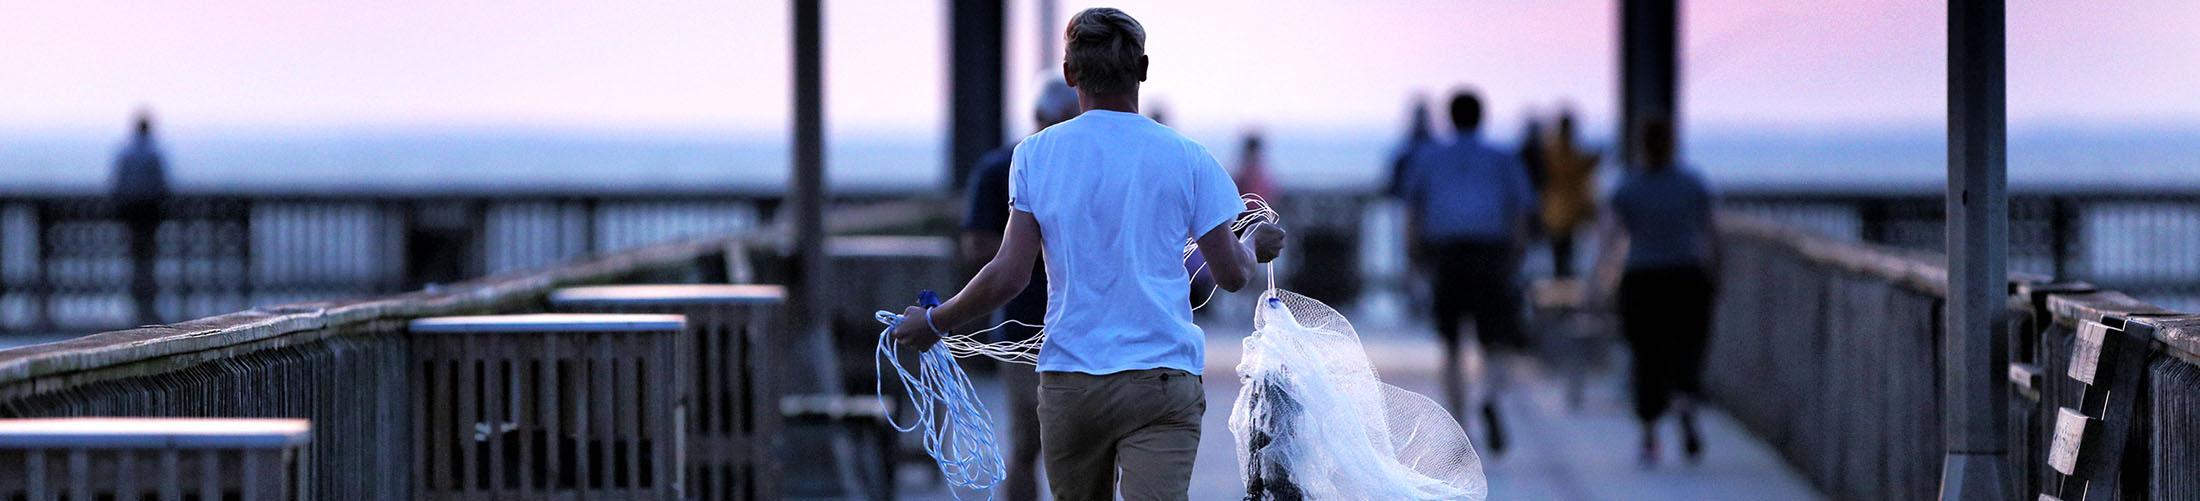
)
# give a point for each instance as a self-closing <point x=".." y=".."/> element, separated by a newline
<point x="926" y="298"/>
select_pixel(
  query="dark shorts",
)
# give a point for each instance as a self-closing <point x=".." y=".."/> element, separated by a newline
<point x="1477" y="279"/>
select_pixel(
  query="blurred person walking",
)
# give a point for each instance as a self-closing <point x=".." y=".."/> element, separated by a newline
<point x="1468" y="207"/>
<point x="140" y="187"/>
<point x="1111" y="196"/>
<point x="1418" y="139"/>
<point x="1252" y="174"/>
<point x="1568" y="173"/>
<point x="983" y="222"/>
<point x="1666" y="292"/>
<point x="1252" y="177"/>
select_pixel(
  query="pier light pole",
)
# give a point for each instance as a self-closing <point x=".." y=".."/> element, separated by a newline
<point x="1648" y="68"/>
<point x="808" y="318"/>
<point x="1978" y="249"/>
<point x="979" y="73"/>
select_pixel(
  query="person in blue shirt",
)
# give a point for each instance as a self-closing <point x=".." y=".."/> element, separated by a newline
<point x="1665" y="294"/>
<point x="1111" y="197"/>
<point x="983" y="222"/>
<point x="140" y="187"/>
<point x="1468" y="207"/>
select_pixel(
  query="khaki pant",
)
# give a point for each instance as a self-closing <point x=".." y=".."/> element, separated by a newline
<point x="1022" y="383"/>
<point x="1143" y="424"/>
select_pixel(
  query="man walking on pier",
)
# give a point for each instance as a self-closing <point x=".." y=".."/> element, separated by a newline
<point x="140" y="185"/>
<point x="1467" y="207"/>
<point x="1112" y="196"/>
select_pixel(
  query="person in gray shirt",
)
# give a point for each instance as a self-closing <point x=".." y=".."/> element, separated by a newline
<point x="140" y="187"/>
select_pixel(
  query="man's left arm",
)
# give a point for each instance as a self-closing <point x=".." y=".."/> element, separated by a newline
<point x="1001" y="279"/>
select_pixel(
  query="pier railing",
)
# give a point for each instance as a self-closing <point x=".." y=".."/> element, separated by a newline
<point x="1829" y="350"/>
<point x="65" y="263"/>
<point x="2141" y="242"/>
<point x="343" y="365"/>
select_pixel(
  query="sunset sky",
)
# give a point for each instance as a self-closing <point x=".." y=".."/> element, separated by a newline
<point x="710" y="67"/>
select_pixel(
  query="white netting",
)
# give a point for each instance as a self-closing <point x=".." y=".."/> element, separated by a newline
<point x="1313" y="421"/>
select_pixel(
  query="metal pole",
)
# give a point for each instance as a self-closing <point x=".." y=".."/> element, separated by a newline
<point x="1978" y="248"/>
<point x="979" y="71"/>
<point x="808" y="318"/>
<point x="1648" y="70"/>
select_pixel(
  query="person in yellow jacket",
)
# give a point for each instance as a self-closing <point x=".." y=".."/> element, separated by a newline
<point x="1570" y="174"/>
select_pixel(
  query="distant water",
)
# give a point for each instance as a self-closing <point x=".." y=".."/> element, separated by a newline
<point x="487" y="161"/>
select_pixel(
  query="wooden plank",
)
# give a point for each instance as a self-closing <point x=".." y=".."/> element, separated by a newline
<point x="80" y="474"/>
<point x="34" y="471"/>
<point x="302" y="473"/>
<point x="253" y="473"/>
<point x="493" y="409"/>
<point x="600" y="376"/>
<point x="527" y="375"/>
<point x="427" y="403"/>
<point x="631" y="402"/>
<point x="553" y="428"/>
<point x="210" y="468"/>
<point x="125" y="474"/>
<point x="469" y="397"/>
<point x="670" y="423"/>
<point x="584" y="417"/>
<point x="171" y="475"/>
<point x="760" y="350"/>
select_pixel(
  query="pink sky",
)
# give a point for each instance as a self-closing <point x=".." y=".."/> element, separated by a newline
<point x="709" y="67"/>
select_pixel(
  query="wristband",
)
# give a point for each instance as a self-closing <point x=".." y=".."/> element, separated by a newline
<point x="928" y="323"/>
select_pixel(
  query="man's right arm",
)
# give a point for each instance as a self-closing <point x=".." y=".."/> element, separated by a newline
<point x="1230" y="258"/>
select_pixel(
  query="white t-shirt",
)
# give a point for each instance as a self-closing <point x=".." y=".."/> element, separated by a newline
<point x="1116" y="195"/>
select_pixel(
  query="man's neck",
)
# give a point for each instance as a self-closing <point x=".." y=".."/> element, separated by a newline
<point x="1126" y="102"/>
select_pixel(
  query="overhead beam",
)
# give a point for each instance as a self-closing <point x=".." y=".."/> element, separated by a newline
<point x="1972" y="380"/>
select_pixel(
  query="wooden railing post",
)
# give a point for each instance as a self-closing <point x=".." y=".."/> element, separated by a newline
<point x="732" y="343"/>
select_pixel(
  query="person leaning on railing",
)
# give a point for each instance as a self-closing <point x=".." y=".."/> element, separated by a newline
<point x="140" y="185"/>
<point x="1665" y="294"/>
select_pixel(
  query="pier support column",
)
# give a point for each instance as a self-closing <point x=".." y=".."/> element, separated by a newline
<point x="807" y="320"/>
<point x="1648" y="86"/>
<point x="979" y="75"/>
<point x="1978" y="248"/>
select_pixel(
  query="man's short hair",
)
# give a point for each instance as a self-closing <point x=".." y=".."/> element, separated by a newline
<point x="1466" y="111"/>
<point x="1102" y="49"/>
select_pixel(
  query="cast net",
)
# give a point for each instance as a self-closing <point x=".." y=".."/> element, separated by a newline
<point x="1312" y="420"/>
